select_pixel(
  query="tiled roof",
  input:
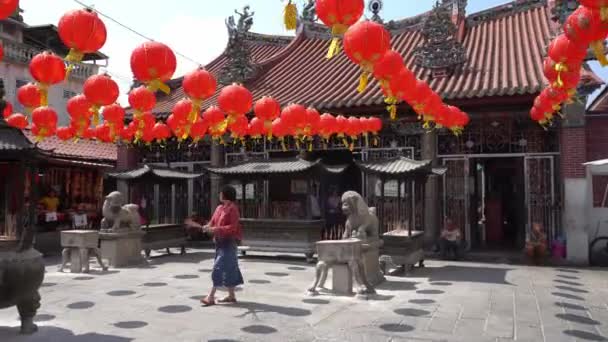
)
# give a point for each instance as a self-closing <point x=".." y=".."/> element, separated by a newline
<point x="600" y="103"/>
<point x="266" y="167"/>
<point x="505" y="47"/>
<point x="82" y="149"/>
<point x="12" y="139"/>
<point x="396" y="167"/>
<point x="155" y="172"/>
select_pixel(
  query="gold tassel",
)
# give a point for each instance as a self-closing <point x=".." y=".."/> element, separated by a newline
<point x="363" y="80"/>
<point x="598" y="50"/>
<point x="290" y="16"/>
<point x="283" y="145"/>
<point x="392" y="109"/>
<point x="297" y="144"/>
<point x="310" y="146"/>
<point x="604" y="13"/>
<point x="44" y="95"/>
<point x="366" y="140"/>
<point x="334" y="48"/>
<point x="345" y="142"/>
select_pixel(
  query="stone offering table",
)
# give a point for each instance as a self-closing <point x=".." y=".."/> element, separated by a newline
<point x="122" y="247"/>
<point x="78" y="245"/>
<point x="164" y="236"/>
<point x="402" y="247"/>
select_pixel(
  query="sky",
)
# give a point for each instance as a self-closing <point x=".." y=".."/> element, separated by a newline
<point x="195" y="28"/>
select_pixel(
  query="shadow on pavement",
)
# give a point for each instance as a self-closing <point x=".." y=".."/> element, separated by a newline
<point x="585" y="336"/>
<point x="49" y="333"/>
<point x="255" y="308"/>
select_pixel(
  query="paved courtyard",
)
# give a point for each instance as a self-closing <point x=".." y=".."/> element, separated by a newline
<point x="443" y="302"/>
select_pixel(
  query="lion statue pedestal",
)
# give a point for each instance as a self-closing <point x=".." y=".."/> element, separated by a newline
<point x="121" y="232"/>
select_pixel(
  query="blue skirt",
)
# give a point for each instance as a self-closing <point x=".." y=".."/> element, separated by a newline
<point x="226" y="272"/>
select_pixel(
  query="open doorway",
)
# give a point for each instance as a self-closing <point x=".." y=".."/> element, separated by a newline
<point x="498" y="203"/>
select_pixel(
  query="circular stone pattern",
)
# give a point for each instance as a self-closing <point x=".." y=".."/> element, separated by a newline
<point x="84" y="278"/>
<point x="43" y="318"/>
<point x="276" y="274"/>
<point x="296" y="268"/>
<point x="155" y="284"/>
<point x="396" y="328"/>
<point x="186" y="276"/>
<point x="259" y="281"/>
<point x="315" y="301"/>
<point x="130" y="324"/>
<point x="120" y="293"/>
<point x="81" y="305"/>
<point x="175" y="309"/>
<point x="205" y="270"/>
<point x="412" y="312"/>
<point x="48" y="284"/>
<point x="422" y="301"/>
<point x="259" y="329"/>
<point x="430" y="292"/>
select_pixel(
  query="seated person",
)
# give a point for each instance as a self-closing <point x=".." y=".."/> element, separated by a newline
<point x="50" y="202"/>
<point x="450" y="240"/>
<point x="536" y="243"/>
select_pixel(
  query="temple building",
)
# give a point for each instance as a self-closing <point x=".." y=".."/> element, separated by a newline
<point x="501" y="175"/>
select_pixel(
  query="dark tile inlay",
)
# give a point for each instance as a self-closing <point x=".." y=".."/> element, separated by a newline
<point x="175" y="309"/>
<point x="565" y="276"/>
<point x="571" y="289"/>
<point x="259" y="329"/>
<point x="296" y="268"/>
<point x="186" y="276"/>
<point x="570" y="306"/>
<point x="566" y="282"/>
<point x="81" y="305"/>
<point x="567" y="270"/>
<point x="315" y="301"/>
<point x="120" y="293"/>
<point x="567" y="295"/>
<point x="48" y="284"/>
<point x="130" y="324"/>
<point x="276" y="274"/>
<point x="43" y="318"/>
<point x="84" y="278"/>
<point x="205" y="270"/>
<point x="430" y="292"/>
<point x="155" y="284"/>
<point x="441" y="283"/>
<point x="422" y="301"/>
<point x="412" y="312"/>
<point x="259" y="281"/>
<point x="584" y="335"/>
<point x="396" y="327"/>
<point x="578" y="319"/>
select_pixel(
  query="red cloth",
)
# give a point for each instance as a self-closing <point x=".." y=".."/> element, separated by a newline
<point x="225" y="222"/>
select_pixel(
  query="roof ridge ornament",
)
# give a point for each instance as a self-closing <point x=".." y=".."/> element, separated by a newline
<point x="375" y="6"/>
<point x="239" y="67"/>
<point x="309" y="12"/>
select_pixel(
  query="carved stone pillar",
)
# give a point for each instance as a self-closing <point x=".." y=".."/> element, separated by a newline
<point x="217" y="160"/>
<point x="432" y="214"/>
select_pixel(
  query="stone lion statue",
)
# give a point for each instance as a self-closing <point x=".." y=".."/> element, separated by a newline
<point x="119" y="216"/>
<point x="361" y="220"/>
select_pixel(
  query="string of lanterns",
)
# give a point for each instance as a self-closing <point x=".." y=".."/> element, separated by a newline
<point x="586" y="27"/>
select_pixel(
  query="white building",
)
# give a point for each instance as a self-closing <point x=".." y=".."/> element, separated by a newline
<point x="21" y="42"/>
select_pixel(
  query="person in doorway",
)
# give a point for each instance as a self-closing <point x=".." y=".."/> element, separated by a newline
<point x="333" y="207"/>
<point x="315" y="210"/>
<point x="226" y="230"/>
<point x="536" y="243"/>
<point x="450" y="240"/>
<point x="50" y="202"/>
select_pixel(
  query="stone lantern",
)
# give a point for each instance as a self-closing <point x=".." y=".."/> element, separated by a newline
<point x="21" y="266"/>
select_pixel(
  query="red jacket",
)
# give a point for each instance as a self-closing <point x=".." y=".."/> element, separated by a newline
<point x="225" y="221"/>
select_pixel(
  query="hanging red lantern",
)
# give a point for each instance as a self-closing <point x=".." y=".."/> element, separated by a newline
<point x="101" y="90"/>
<point x="161" y="132"/>
<point x="8" y="109"/>
<point x="257" y="129"/>
<point x="82" y="32"/>
<point x="127" y="133"/>
<point x="294" y="118"/>
<point x="601" y="5"/>
<point x="353" y="130"/>
<point x="7" y="8"/>
<point x="341" y="128"/>
<point x="238" y="129"/>
<point x="47" y="69"/>
<point x="311" y="122"/>
<point x="142" y="99"/>
<point x="103" y="133"/>
<point x="388" y="66"/>
<point x="79" y="109"/>
<point x="198" y="130"/>
<point x="235" y="100"/>
<point x="114" y="113"/>
<point x="375" y="126"/>
<point x="584" y="26"/>
<point x="42" y="132"/>
<point x="29" y="96"/>
<point x="418" y="94"/>
<point x="45" y="120"/>
<point x="17" y="121"/>
<point x="154" y="63"/>
<point x="65" y="133"/>
<point x="398" y="88"/>
<point x="327" y="126"/>
<point x="338" y="15"/>
<point x="553" y="71"/>
<point x="459" y="120"/>
<point x="563" y="50"/>
<point x="177" y="125"/>
<point x="280" y="131"/>
<point x="199" y="85"/>
<point x="267" y="109"/>
<point x="364" y="44"/>
<point x="429" y="109"/>
<point x="215" y="119"/>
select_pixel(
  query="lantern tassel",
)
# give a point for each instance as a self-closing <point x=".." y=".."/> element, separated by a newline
<point x="290" y="16"/>
<point x="366" y="140"/>
<point x="334" y="48"/>
<point x="283" y="145"/>
<point x="345" y="142"/>
<point x="363" y="80"/>
<point x="157" y="84"/>
<point x="598" y="51"/>
<point x="604" y="13"/>
<point x="44" y="94"/>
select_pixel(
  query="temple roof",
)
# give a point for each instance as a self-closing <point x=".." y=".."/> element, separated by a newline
<point x="154" y="172"/>
<point x="13" y="140"/>
<point x="266" y="167"/>
<point x="397" y="167"/>
<point x="84" y="149"/>
<point x="505" y="48"/>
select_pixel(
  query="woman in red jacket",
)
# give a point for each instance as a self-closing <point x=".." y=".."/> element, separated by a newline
<point x="226" y="230"/>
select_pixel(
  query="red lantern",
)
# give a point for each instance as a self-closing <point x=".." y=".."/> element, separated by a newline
<point x="127" y="133"/>
<point x="294" y="118"/>
<point x="375" y="126"/>
<point x="563" y="50"/>
<point x="42" y="132"/>
<point x="311" y="122"/>
<point x="388" y="67"/>
<point x="103" y="133"/>
<point x="114" y="113"/>
<point x="154" y="63"/>
<point x="601" y="5"/>
<point x="280" y="131"/>
<point x="17" y="121"/>
<point x="341" y="128"/>
<point x="364" y="44"/>
<point x="7" y="8"/>
<point x="327" y="126"/>
<point x="29" y="96"/>
<point x="354" y="129"/>
<point x="45" y="120"/>
<point x="79" y="107"/>
<point x="267" y="109"/>
<point x="142" y="99"/>
<point x="177" y="125"/>
<point x="416" y="97"/>
<point x="257" y="128"/>
<point x="161" y="132"/>
<point x="65" y="133"/>
<point x="553" y="71"/>
<point x="399" y="86"/>
<point x="235" y="100"/>
<point x="82" y="32"/>
<point x="8" y="109"/>
<point x="585" y="27"/>
<point x="338" y="15"/>
<point x="199" y="85"/>
<point x="238" y="128"/>
<point x="215" y="119"/>
<point x="47" y="69"/>
<point x="101" y="90"/>
<point x="198" y="130"/>
<point x="430" y="109"/>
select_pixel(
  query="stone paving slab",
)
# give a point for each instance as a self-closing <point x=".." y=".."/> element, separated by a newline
<point x="446" y="301"/>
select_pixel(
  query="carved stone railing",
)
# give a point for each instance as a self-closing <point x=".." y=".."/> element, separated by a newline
<point x="15" y="52"/>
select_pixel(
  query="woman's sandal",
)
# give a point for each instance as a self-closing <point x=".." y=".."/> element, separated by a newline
<point x="206" y="302"/>
<point x="227" y="300"/>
